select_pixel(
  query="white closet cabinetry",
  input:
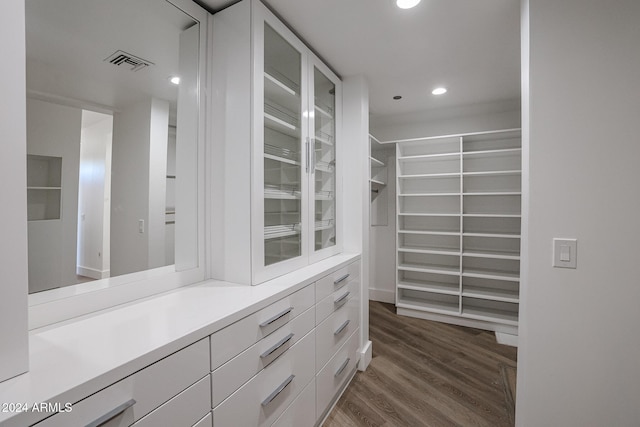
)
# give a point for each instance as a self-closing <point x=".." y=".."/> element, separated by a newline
<point x="276" y="111"/>
<point x="458" y="240"/>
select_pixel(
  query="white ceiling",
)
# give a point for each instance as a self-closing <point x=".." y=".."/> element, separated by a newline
<point x="470" y="46"/>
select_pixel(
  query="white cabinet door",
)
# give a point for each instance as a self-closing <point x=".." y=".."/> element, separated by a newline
<point x="276" y="129"/>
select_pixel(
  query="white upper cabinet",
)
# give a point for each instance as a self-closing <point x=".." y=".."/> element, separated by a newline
<point x="276" y="119"/>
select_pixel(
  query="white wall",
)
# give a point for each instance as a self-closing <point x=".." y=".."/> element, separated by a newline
<point x="13" y="227"/>
<point x="138" y="186"/>
<point x="355" y="195"/>
<point x="54" y="130"/>
<point x="579" y="353"/>
<point x="93" y="197"/>
<point x="447" y="121"/>
<point x="382" y="244"/>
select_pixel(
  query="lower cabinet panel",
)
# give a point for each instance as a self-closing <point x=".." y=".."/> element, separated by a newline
<point x="302" y="412"/>
<point x="336" y="372"/>
<point x="263" y="398"/>
<point x="184" y="410"/>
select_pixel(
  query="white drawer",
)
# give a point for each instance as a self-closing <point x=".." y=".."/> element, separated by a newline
<point x="261" y="400"/>
<point x="149" y="388"/>
<point x="206" y="421"/>
<point x="334" y="331"/>
<point x="230" y="341"/>
<point x="184" y="410"/>
<point x="345" y="295"/>
<point x="230" y="376"/>
<point x="302" y="412"/>
<point x="336" y="280"/>
<point x="333" y="376"/>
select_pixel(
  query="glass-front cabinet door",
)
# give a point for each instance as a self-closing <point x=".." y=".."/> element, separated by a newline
<point x="283" y="160"/>
<point x="324" y="180"/>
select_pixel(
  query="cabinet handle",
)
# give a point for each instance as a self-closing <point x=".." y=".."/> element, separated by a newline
<point x="343" y="278"/>
<point x="276" y="317"/>
<point x="112" y="414"/>
<point x="277" y="391"/>
<point x="312" y="150"/>
<point x="342" y="299"/>
<point x="276" y="346"/>
<point x="342" y="327"/>
<point x="341" y="368"/>
<point x="308" y="161"/>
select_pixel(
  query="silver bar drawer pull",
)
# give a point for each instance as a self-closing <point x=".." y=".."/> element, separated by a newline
<point x="276" y="346"/>
<point x="341" y="368"/>
<point x="277" y="391"/>
<point x="276" y="317"/>
<point x="342" y="327"/>
<point x="112" y="414"/>
<point x="343" y="298"/>
<point x="343" y="278"/>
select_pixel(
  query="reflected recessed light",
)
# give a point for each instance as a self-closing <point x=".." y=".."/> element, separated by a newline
<point x="175" y="80"/>
<point x="397" y="97"/>
<point x="407" y="4"/>
<point x="439" y="91"/>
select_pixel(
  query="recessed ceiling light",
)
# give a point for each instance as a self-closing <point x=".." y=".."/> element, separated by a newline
<point x="407" y="4"/>
<point x="175" y="80"/>
<point x="397" y="97"/>
<point x="439" y="91"/>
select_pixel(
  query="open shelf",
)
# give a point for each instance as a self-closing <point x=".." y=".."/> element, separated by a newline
<point x="433" y="251"/>
<point x="434" y="287"/>
<point x="493" y="311"/>
<point x="425" y="268"/>
<point x="487" y="273"/>
<point x="492" y="254"/>
<point x="433" y="233"/>
<point x="429" y="301"/>
<point x="376" y="162"/>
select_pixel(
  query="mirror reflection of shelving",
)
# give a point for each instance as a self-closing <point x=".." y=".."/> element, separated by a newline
<point x="282" y="160"/>
<point x="324" y="161"/>
<point x="459" y="201"/>
<point x="44" y="188"/>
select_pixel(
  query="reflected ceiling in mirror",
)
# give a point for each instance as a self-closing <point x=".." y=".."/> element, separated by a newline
<point x="111" y="141"/>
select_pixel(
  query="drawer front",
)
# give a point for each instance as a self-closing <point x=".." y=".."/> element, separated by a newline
<point x="206" y="421"/>
<point x="235" y="338"/>
<point x="345" y="295"/>
<point x="149" y="388"/>
<point x="230" y="376"/>
<point x="302" y="412"/>
<point x="333" y="376"/>
<point x="261" y="400"/>
<point x="336" y="280"/>
<point x="184" y="410"/>
<point x="334" y="331"/>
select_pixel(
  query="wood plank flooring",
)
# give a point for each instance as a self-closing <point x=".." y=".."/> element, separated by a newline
<point x="429" y="374"/>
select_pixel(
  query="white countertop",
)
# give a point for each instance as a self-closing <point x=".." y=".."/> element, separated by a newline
<point x="78" y="358"/>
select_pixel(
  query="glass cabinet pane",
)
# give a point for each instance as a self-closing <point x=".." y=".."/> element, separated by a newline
<point x="282" y="156"/>
<point x="324" y="130"/>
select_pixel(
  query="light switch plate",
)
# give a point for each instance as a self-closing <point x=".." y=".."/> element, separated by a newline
<point x="565" y="253"/>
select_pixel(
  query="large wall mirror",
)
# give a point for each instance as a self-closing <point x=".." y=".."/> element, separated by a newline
<point x="113" y="133"/>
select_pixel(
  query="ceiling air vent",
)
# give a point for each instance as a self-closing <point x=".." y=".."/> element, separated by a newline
<point x="124" y="59"/>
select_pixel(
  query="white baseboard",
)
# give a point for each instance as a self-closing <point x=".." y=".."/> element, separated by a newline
<point x="382" y="295"/>
<point x="507" y="339"/>
<point x="366" y="353"/>
<point x="92" y="272"/>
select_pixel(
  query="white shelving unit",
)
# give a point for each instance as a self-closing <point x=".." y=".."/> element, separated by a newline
<point x="378" y="179"/>
<point x="44" y="187"/>
<point x="458" y="228"/>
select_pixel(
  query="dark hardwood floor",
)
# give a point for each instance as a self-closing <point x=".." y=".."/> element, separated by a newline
<point x="431" y="374"/>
